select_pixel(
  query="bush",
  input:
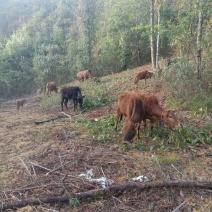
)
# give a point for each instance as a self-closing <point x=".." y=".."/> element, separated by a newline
<point x="180" y="82"/>
<point x="96" y="95"/>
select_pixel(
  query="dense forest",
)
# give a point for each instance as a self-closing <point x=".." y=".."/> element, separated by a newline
<point x="44" y="40"/>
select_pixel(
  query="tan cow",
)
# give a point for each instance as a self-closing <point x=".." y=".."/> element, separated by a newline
<point x="83" y="75"/>
<point x="138" y="106"/>
<point x="155" y="113"/>
<point x="51" y="86"/>
<point x="20" y="103"/>
<point x="144" y="74"/>
<point x="130" y="106"/>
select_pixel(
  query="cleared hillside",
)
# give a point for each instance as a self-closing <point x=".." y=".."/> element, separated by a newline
<point x="34" y="158"/>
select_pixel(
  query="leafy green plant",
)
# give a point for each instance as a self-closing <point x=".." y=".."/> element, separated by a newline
<point x="181" y="83"/>
<point x="183" y="138"/>
<point x="102" y="128"/>
<point x="74" y="202"/>
<point x="96" y="95"/>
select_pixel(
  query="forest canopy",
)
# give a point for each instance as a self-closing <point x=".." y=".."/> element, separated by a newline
<point x="52" y="40"/>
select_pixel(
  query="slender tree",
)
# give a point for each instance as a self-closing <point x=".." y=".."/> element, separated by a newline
<point x="199" y="48"/>
<point x="152" y="15"/>
<point x="158" y="38"/>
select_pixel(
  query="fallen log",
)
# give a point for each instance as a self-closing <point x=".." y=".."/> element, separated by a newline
<point x="115" y="190"/>
<point x="48" y="120"/>
<point x="54" y="118"/>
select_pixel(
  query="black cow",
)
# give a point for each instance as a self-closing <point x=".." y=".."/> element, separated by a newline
<point x="71" y="92"/>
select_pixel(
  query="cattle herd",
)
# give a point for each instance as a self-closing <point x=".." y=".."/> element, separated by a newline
<point x="136" y="106"/>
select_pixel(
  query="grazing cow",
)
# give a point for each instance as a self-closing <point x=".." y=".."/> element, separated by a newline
<point x="20" y="103"/>
<point x="155" y="113"/>
<point x="144" y="74"/>
<point x="131" y="106"/>
<point x="71" y="92"/>
<point x="83" y="75"/>
<point x="51" y="86"/>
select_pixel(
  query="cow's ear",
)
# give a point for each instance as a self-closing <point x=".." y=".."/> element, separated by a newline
<point x="83" y="96"/>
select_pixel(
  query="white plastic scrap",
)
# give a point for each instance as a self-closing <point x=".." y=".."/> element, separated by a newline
<point x="87" y="175"/>
<point x="103" y="181"/>
<point x="142" y="179"/>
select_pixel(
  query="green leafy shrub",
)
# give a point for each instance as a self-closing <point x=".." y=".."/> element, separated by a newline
<point x="74" y="202"/>
<point x="183" y="138"/>
<point x="181" y="82"/>
<point x="96" y="94"/>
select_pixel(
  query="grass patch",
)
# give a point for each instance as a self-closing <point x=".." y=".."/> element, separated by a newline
<point x="50" y="101"/>
<point x="168" y="158"/>
<point x="102" y="130"/>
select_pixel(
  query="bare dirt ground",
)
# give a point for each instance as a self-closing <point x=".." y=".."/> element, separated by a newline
<point x="34" y="159"/>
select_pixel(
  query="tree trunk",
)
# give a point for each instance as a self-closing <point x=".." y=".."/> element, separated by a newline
<point x="199" y="48"/>
<point x="158" y="41"/>
<point x="152" y="34"/>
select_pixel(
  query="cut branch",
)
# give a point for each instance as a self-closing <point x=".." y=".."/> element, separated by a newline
<point x="115" y="190"/>
<point x="177" y="209"/>
<point x="50" y="119"/>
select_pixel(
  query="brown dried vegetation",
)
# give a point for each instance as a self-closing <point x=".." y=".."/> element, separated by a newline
<point x="35" y="158"/>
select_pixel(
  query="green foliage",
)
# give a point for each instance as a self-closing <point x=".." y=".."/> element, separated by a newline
<point x="100" y="128"/>
<point x="181" y="82"/>
<point x="44" y="41"/>
<point x="183" y="138"/>
<point x="74" y="202"/>
<point x="96" y="95"/>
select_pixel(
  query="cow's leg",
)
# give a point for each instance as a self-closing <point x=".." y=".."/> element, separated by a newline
<point x="62" y="100"/>
<point x="118" y="114"/>
<point x="65" y="102"/>
<point x="138" y="130"/>
<point x="144" y="120"/>
<point x="75" y="104"/>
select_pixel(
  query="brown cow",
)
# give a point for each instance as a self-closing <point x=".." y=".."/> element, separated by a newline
<point x="155" y="113"/>
<point x="51" y="86"/>
<point x="83" y="75"/>
<point x="20" y="103"/>
<point x="148" y="108"/>
<point x="131" y="106"/>
<point x="144" y="74"/>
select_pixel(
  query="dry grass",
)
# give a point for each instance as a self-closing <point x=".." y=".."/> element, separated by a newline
<point x="28" y="152"/>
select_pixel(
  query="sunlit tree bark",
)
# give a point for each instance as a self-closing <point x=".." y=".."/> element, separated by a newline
<point x="199" y="48"/>
<point x="158" y="40"/>
<point x="152" y="3"/>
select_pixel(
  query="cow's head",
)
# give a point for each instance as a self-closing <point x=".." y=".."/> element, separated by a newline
<point x="130" y="130"/>
<point x="80" y="100"/>
<point x="170" y="119"/>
